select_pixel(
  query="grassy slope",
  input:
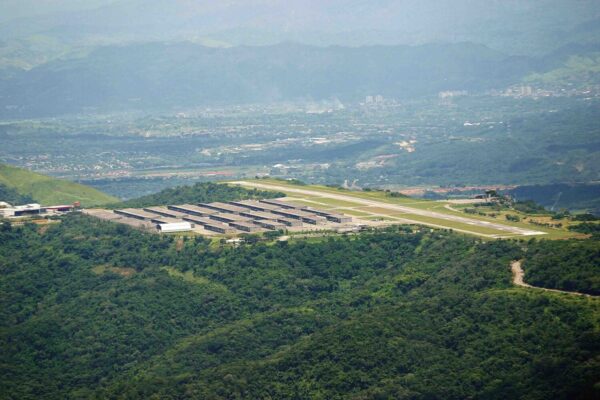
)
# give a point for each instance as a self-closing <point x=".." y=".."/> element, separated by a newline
<point x="48" y="191"/>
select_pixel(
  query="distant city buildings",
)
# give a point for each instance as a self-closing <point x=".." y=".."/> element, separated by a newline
<point x="452" y="93"/>
<point x="519" y="91"/>
<point x="374" y="99"/>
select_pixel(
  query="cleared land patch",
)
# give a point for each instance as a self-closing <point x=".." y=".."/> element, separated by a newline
<point x="122" y="271"/>
<point x="189" y="276"/>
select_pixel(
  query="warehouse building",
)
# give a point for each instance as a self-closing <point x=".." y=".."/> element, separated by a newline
<point x="302" y="216"/>
<point x="272" y="225"/>
<point x="135" y="213"/>
<point x="278" y="203"/>
<point x="334" y="217"/>
<point x="159" y="219"/>
<point x="223" y="207"/>
<point x="315" y="211"/>
<point x="60" y="208"/>
<point x="248" y="227"/>
<point x="193" y="210"/>
<point x="220" y="228"/>
<point x="165" y="212"/>
<point x="21" y="211"/>
<point x="210" y="224"/>
<point x="255" y="205"/>
<point x="289" y="222"/>
<point x="339" y="218"/>
<point x="182" y="226"/>
<point x="228" y="218"/>
<point x="258" y="215"/>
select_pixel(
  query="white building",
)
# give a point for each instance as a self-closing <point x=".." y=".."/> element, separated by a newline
<point x="18" y="211"/>
<point x="174" y="227"/>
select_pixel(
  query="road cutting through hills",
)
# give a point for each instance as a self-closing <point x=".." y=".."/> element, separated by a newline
<point x="519" y="275"/>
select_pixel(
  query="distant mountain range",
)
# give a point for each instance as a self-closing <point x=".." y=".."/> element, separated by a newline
<point x="512" y="26"/>
<point x="159" y="75"/>
<point x="62" y="56"/>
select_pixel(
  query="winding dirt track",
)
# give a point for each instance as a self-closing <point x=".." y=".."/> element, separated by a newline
<point x="518" y="275"/>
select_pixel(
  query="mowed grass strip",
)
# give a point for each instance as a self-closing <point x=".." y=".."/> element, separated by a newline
<point x="451" y="224"/>
<point x="379" y="210"/>
<point x="379" y="218"/>
<point x="310" y="203"/>
<point x="335" y="202"/>
<point x="356" y="213"/>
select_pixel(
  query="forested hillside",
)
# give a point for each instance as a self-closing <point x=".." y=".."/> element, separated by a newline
<point x="203" y="192"/>
<point x="91" y="309"/>
<point x="557" y="196"/>
<point x="568" y="265"/>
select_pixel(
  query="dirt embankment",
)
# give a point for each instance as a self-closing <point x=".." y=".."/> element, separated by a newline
<point x="518" y="279"/>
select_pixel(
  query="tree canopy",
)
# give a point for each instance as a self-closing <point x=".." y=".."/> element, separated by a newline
<point x="92" y="309"/>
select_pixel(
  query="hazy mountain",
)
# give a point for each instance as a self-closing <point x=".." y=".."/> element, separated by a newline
<point x="515" y="26"/>
<point x="184" y="74"/>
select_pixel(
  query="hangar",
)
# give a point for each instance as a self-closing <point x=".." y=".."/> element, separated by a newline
<point x="182" y="226"/>
<point x="193" y="210"/>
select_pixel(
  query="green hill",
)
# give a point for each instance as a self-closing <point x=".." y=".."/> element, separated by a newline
<point x="47" y="190"/>
<point x="96" y="310"/>
<point x="202" y="192"/>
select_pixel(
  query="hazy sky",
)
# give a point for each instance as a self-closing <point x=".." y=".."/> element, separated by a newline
<point x="410" y="21"/>
<point x="362" y="12"/>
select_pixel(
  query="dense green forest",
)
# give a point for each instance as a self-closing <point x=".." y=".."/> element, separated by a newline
<point x="203" y="192"/>
<point x="91" y="309"/>
<point x="572" y="265"/>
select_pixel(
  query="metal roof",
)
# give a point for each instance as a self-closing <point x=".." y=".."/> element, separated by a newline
<point x="224" y="207"/>
<point x="193" y="208"/>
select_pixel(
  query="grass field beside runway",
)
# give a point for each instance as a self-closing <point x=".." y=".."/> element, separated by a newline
<point x="319" y="198"/>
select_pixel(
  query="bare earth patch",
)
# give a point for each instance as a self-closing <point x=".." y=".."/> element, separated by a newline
<point x="518" y="279"/>
<point x="121" y="271"/>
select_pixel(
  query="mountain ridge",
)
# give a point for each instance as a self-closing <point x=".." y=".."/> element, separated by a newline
<point x="186" y="74"/>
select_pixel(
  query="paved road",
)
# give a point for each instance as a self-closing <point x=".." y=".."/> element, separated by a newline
<point x="396" y="208"/>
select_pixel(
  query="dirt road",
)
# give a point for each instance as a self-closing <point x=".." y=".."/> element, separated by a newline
<point x="394" y="208"/>
<point x="518" y="279"/>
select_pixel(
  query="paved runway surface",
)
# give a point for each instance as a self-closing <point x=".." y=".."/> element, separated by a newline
<point x="396" y="208"/>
